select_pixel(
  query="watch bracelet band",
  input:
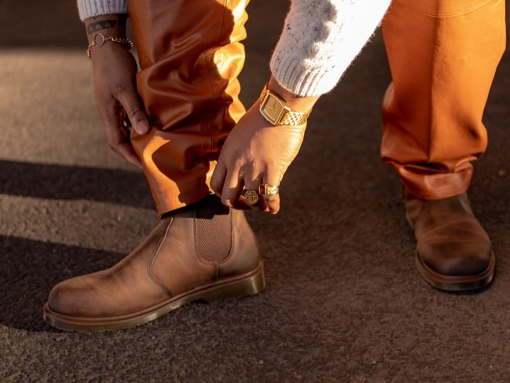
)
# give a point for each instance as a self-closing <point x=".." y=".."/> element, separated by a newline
<point x="289" y="117"/>
<point x="294" y="118"/>
<point x="103" y="40"/>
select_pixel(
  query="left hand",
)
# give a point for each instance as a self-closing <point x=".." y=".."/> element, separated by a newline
<point x="254" y="153"/>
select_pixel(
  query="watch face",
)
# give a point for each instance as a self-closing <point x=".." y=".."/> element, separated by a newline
<point x="272" y="108"/>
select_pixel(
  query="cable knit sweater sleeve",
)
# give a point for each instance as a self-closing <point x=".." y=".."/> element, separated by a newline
<point x="319" y="41"/>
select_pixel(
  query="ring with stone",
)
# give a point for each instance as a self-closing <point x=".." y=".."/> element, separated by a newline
<point x="267" y="190"/>
<point x="252" y="197"/>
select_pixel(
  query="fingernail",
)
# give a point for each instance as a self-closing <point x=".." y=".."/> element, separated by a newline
<point x="142" y="127"/>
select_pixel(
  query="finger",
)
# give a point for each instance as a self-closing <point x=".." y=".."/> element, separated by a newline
<point x="252" y="183"/>
<point x="126" y="151"/>
<point x="263" y="205"/>
<point x="129" y="100"/>
<point x="272" y="202"/>
<point x="241" y="204"/>
<point x="231" y="188"/>
<point x="218" y="178"/>
<point x="116" y="135"/>
<point x="117" y="142"/>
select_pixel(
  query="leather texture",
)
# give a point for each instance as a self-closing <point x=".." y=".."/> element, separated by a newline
<point x="453" y="250"/>
<point x="190" y="56"/>
<point x="166" y="265"/>
<point x="442" y="56"/>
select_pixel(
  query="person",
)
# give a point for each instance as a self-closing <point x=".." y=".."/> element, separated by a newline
<point x="191" y="136"/>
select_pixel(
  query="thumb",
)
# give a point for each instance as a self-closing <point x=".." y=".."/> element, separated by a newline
<point x="131" y="104"/>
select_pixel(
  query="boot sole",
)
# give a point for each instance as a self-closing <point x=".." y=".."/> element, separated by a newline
<point x="457" y="282"/>
<point x="248" y="284"/>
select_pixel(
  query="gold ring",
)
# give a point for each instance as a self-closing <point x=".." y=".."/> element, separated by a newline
<point x="251" y="197"/>
<point x="267" y="190"/>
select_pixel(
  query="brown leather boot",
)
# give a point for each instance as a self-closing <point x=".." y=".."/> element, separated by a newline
<point x="453" y="250"/>
<point x="204" y="252"/>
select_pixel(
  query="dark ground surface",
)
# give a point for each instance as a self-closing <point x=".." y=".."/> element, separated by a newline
<point x="344" y="302"/>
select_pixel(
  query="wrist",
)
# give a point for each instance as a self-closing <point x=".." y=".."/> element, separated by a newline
<point x="108" y="25"/>
<point x="278" y="112"/>
<point x="294" y="102"/>
<point x="105" y="30"/>
<point x="99" y="40"/>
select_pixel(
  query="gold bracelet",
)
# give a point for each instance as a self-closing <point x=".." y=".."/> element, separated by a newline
<point x="99" y="40"/>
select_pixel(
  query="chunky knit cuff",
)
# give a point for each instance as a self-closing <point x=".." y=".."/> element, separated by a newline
<point x="320" y="40"/>
<point x="91" y="8"/>
<point x="304" y="80"/>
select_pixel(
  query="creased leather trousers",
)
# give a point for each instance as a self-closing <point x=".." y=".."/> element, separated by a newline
<point x="190" y="56"/>
<point x="442" y="53"/>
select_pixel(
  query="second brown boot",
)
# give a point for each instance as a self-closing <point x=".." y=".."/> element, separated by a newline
<point x="204" y="252"/>
<point x="453" y="250"/>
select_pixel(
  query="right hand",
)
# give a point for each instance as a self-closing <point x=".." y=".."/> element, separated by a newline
<point x="114" y="71"/>
<point x="255" y="153"/>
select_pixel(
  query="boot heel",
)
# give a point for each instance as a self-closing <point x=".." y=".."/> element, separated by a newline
<point x="249" y="286"/>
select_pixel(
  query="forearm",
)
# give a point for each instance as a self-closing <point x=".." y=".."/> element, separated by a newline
<point x="319" y="41"/>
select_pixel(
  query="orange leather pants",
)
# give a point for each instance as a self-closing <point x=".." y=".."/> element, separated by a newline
<point x="443" y="55"/>
<point x="190" y="56"/>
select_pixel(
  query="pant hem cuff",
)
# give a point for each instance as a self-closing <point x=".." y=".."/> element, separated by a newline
<point x="169" y="204"/>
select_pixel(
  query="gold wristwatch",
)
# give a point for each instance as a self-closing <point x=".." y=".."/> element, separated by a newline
<point x="276" y="112"/>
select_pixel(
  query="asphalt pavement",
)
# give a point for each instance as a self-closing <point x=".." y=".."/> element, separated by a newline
<point x="344" y="301"/>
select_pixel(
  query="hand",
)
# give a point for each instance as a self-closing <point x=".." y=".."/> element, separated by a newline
<point x="114" y="69"/>
<point x="255" y="152"/>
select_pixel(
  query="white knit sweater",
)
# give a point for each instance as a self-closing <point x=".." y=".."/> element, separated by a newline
<point x="320" y="39"/>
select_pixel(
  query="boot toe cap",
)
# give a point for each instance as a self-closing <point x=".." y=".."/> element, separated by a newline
<point x="454" y="260"/>
<point x="67" y="298"/>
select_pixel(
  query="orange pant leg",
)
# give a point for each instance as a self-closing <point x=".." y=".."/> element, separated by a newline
<point x="190" y="56"/>
<point x="443" y="55"/>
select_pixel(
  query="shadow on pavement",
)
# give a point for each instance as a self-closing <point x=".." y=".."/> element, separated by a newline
<point x="31" y="268"/>
<point x="74" y="182"/>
